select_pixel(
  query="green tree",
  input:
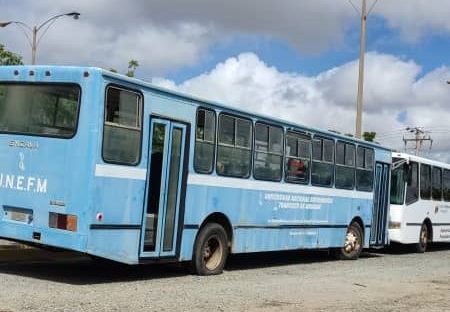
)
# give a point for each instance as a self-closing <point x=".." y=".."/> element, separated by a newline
<point x="132" y="65"/>
<point x="8" y="57"/>
<point x="369" y="136"/>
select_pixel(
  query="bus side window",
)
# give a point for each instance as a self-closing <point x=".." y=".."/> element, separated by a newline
<point x="122" y="127"/>
<point x="268" y="158"/>
<point x="298" y="158"/>
<point x="412" y="189"/>
<point x="323" y="162"/>
<point x="235" y="147"/>
<point x="446" y="184"/>
<point x="364" y="171"/>
<point x="205" y="141"/>
<point x="425" y="181"/>
<point x="345" y="166"/>
<point x="436" y="183"/>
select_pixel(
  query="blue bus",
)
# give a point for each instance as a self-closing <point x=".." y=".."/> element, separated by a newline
<point x="118" y="168"/>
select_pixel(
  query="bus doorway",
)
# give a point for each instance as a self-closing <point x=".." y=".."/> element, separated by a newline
<point x="164" y="188"/>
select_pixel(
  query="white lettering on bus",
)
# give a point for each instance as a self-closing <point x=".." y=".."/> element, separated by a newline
<point x="22" y="183"/>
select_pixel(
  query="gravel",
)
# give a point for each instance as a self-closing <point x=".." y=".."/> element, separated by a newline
<point x="391" y="280"/>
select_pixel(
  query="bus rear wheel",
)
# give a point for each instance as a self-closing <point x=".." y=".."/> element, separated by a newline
<point x="210" y="250"/>
<point x="353" y="246"/>
<point x="422" y="245"/>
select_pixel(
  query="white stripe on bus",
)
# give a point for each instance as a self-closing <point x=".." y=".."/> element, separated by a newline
<point x="210" y="180"/>
<point x="120" y="172"/>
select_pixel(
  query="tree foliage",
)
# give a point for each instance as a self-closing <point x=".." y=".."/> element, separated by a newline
<point x="132" y="65"/>
<point x="8" y="57"/>
<point x="369" y="136"/>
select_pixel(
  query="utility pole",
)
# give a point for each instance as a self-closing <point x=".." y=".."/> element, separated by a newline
<point x="419" y="137"/>
<point x="362" y="52"/>
<point x="363" y="13"/>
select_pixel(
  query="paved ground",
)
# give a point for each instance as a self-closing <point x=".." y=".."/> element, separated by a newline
<point x="35" y="280"/>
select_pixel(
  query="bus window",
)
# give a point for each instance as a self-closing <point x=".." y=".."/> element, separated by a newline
<point x="412" y="187"/>
<point x="39" y="109"/>
<point x="205" y="138"/>
<point x="323" y="162"/>
<point x="122" y="127"/>
<point x="235" y="146"/>
<point x="446" y="184"/>
<point x="268" y="159"/>
<point x="436" y="183"/>
<point x="425" y="181"/>
<point x="298" y="155"/>
<point x="345" y="166"/>
<point x="398" y="185"/>
<point x="364" y="171"/>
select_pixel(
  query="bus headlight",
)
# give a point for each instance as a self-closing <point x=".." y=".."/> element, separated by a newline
<point x="394" y="225"/>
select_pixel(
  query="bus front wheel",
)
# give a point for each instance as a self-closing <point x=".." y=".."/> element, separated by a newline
<point x="353" y="246"/>
<point x="422" y="245"/>
<point x="210" y="250"/>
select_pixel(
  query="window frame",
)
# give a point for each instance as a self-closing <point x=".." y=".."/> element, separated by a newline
<point x="141" y="120"/>
<point x="306" y="137"/>
<point x="216" y="125"/>
<point x="80" y="98"/>
<point x="433" y="168"/>
<point x="364" y="167"/>
<point x="444" y="197"/>
<point x="420" y="181"/>
<point x="235" y="117"/>
<point x="417" y="193"/>
<point x="323" y="138"/>
<point x="344" y="165"/>
<point x="255" y="151"/>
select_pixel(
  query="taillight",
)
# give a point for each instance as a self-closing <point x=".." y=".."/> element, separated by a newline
<point x="62" y="221"/>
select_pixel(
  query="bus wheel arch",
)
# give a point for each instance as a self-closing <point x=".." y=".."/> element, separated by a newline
<point x="222" y="220"/>
<point x="212" y="245"/>
<point x="425" y="236"/>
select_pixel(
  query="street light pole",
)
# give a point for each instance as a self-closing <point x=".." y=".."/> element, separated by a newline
<point x="34" y="41"/>
<point x="34" y="46"/>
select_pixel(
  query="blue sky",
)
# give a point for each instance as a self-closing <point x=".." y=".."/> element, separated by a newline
<point x="293" y="59"/>
<point x="431" y="52"/>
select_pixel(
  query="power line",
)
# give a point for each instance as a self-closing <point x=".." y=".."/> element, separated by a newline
<point x="419" y="136"/>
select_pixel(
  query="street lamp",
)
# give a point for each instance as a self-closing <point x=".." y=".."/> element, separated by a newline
<point x="34" y="42"/>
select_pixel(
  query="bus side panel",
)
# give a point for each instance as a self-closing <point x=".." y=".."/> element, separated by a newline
<point x="118" y="245"/>
<point x="268" y="220"/>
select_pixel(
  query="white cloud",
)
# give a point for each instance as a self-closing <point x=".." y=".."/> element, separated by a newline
<point x="167" y="35"/>
<point x="415" y="18"/>
<point x="393" y="87"/>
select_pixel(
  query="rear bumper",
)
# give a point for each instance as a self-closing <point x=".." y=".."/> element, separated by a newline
<point x="44" y="236"/>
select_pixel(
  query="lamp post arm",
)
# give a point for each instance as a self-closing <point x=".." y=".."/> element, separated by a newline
<point x="49" y="20"/>
<point x="38" y="39"/>
<point x="24" y="28"/>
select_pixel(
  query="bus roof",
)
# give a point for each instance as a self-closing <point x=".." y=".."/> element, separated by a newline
<point x="5" y="70"/>
<point x="421" y="160"/>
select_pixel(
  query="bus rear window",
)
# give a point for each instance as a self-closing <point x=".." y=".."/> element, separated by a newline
<point x="39" y="109"/>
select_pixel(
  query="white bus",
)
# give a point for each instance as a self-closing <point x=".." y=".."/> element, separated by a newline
<point x="420" y="201"/>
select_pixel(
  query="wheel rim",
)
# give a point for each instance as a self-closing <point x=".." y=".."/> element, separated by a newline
<point x="352" y="242"/>
<point x="423" y="236"/>
<point x="212" y="253"/>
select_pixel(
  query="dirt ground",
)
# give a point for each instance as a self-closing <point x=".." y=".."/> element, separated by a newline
<point x="390" y="280"/>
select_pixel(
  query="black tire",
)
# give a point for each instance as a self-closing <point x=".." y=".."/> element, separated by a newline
<point x="354" y="243"/>
<point x="210" y="250"/>
<point x="424" y="238"/>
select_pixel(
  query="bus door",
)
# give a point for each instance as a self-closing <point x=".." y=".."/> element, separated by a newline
<point x="164" y="186"/>
<point x="378" y="233"/>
